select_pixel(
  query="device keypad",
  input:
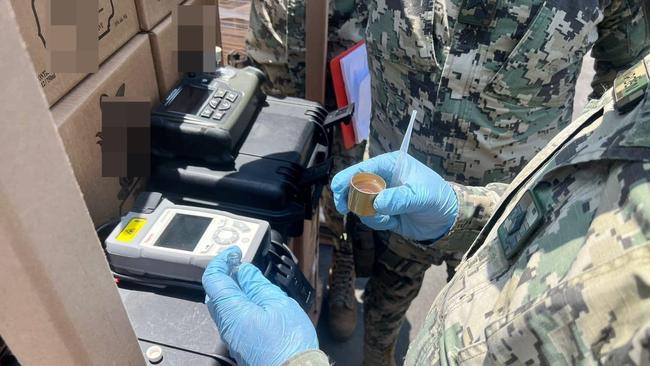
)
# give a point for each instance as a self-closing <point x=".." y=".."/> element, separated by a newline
<point x="220" y="93"/>
<point x="232" y="97"/>
<point x="228" y="232"/>
<point x="207" y="112"/>
<point x="241" y="226"/>
<point x="222" y="101"/>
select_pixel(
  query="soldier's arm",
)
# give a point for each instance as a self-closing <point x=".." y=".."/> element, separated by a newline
<point x="623" y="39"/>
<point x="475" y="206"/>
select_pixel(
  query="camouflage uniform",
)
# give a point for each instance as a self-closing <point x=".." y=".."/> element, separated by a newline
<point x="573" y="289"/>
<point x="276" y="39"/>
<point x="493" y="82"/>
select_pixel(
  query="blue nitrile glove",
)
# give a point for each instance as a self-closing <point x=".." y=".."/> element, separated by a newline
<point x="258" y="322"/>
<point x="423" y="208"/>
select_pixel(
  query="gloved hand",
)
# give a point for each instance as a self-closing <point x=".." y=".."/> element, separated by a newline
<point x="423" y="208"/>
<point x="258" y="322"/>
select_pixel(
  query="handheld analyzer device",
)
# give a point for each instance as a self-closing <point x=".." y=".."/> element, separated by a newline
<point x="161" y="239"/>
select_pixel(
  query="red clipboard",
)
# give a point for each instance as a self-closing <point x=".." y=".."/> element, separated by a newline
<point x="349" y="138"/>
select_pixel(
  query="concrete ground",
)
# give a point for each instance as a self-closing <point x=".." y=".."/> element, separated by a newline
<point x="350" y="352"/>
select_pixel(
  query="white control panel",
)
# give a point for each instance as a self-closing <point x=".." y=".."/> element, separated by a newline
<point x="217" y="232"/>
<point x="177" y="242"/>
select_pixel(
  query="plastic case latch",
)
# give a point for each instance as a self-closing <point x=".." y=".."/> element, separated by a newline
<point x="283" y="271"/>
<point x="318" y="173"/>
<point x="334" y="118"/>
<point x="146" y="202"/>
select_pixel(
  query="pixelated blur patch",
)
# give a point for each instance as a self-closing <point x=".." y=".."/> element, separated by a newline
<point x="73" y="44"/>
<point x="196" y="35"/>
<point x="126" y="137"/>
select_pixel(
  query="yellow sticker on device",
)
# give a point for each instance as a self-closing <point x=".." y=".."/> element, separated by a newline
<point x="131" y="229"/>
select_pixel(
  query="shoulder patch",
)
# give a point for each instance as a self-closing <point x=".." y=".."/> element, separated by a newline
<point x="630" y="87"/>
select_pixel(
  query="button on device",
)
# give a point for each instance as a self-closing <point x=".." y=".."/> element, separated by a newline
<point x="225" y="236"/>
<point x="207" y="112"/>
<point x="218" y="115"/>
<point x="220" y="221"/>
<point x="231" y="96"/>
<point x="220" y="93"/>
<point x="241" y="226"/>
<point x="224" y="106"/>
<point x="214" y="103"/>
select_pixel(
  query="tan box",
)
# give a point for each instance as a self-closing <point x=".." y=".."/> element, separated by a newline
<point x="130" y="72"/>
<point x="164" y="43"/>
<point x="59" y="302"/>
<point x="118" y="22"/>
<point x="151" y="12"/>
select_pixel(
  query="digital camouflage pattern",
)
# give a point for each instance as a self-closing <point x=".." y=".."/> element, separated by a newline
<point x="493" y="82"/>
<point x="276" y="39"/>
<point x="578" y="290"/>
<point x="489" y="96"/>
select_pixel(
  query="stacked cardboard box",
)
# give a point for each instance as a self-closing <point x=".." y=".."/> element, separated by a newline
<point x="151" y="12"/>
<point x="163" y="45"/>
<point x="130" y="72"/>
<point x="59" y="302"/>
<point x="131" y="64"/>
<point x="126" y="61"/>
<point x="118" y="22"/>
<point x="125" y="68"/>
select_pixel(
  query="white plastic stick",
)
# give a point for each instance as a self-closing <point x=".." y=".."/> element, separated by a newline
<point x="398" y="171"/>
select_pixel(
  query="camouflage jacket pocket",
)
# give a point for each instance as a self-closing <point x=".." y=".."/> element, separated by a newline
<point x="542" y="69"/>
<point x="402" y="35"/>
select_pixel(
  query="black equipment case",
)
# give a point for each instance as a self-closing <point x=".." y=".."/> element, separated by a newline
<point x="277" y="175"/>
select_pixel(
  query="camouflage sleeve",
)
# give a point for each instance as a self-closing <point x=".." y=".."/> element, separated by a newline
<point x="308" y="358"/>
<point x="475" y="206"/>
<point x="623" y="39"/>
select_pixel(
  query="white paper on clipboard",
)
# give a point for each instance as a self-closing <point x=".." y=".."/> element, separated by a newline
<point x="356" y="77"/>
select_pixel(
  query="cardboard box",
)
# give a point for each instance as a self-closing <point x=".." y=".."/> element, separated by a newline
<point x="59" y="302"/>
<point x="130" y="72"/>
<point x="118" y="22"/>
<point x="164" y="43"/>
<point x="151" y="12"/>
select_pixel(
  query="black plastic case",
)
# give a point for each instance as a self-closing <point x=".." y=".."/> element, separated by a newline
<point x="178" y="133"/>
<point x="277" y="174"/>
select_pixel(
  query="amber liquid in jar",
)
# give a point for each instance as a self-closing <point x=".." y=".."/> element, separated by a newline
<point x="369" y="187"/>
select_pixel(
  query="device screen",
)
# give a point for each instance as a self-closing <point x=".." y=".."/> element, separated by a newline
<point x="183" y="232"/>
<point x="189" y="100"/>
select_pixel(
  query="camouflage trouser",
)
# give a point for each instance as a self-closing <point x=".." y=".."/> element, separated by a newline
<point x="395" y="281"/>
